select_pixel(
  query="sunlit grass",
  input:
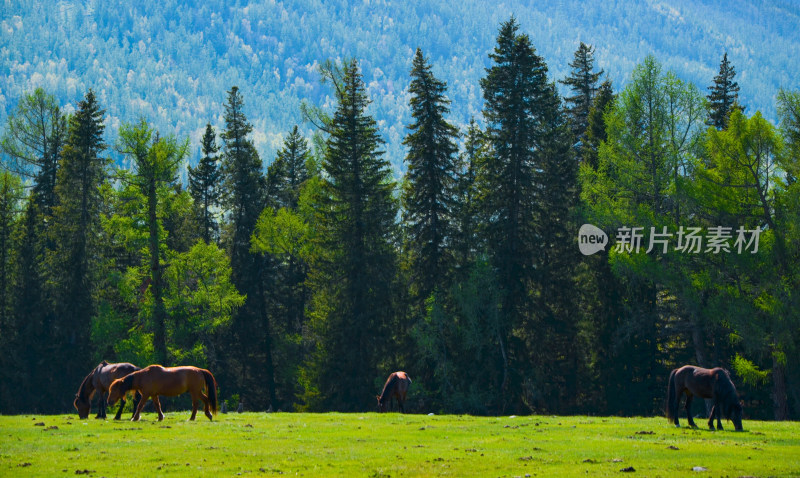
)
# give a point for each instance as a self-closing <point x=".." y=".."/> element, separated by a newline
<point x="369" y="444"/>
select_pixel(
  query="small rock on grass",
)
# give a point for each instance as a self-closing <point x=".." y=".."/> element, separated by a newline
<point x="629" y="469"/>
<point x="699" y="468"/>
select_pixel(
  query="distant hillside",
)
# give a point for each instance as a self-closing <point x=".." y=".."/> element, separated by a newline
<point x="172" y="61"/>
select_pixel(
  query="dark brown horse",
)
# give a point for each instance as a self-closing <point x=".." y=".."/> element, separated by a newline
<point x="156" y="380"/>
<point x="396" y="386"/>
<point x="712" y="383"/>
<point x="99" y="380"/>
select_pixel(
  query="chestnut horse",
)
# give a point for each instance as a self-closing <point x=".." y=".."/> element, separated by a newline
<point x="396" y="386"/>
<point x="156" y="380"/>
<point x="99" y="380"/>
<point x="712" y="383"/>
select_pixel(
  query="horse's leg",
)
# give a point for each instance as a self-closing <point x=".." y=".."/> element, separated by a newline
<point x="157" y="404"/>
<point x="121" y="406"/>
<point x="100" y="405"/>
<point x="714" y="411"/>
<point x="194" y="407"/>
<point x="688" y="408"/>
<point x="137" y="399"/>
<point x="719" y="415"/>
<point x="137" y="413"/>
<point x="207" y="409"/>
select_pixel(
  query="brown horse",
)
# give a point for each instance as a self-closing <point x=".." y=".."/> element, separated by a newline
<point x="396" y="386"/>
<point x="156" y="380"/>
<point x="99" y="380"/>
<point x="712" y="383"/>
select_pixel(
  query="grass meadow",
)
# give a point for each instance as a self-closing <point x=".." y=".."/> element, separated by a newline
<point x="382" y="445"/>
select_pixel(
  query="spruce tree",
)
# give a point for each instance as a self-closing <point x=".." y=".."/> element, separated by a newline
<point x="243" y="200"/>
<point x="513" y="89"/>
<point x="288" y="172"/>
<point x="582" y="80"/>
<point x="723" y="96"/>
<point x="204" y="186"/>
<point x="355" y="260"/>
<point x="429" y="192"/>
<point x="76" y="229"/>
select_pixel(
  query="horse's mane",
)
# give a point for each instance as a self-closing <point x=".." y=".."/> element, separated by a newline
<point x="724" y="388"/>
<point x="82" y="392"/>
<point x="387" y="387"/>
<point x="127" y="382"/>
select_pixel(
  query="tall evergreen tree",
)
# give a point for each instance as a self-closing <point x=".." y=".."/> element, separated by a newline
<point x="243" y="200"/>
<point x="204" y="186"/>
<point x="724" y="95"/>
<point x="513" y="89"/>
<point x="355" y="260"/>
<point x="75" y="229"/>
<point x="582" y="80"/>
<point x="429" y="193"/>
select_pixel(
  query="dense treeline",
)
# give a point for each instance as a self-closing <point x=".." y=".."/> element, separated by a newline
<point x="303" y="284"/>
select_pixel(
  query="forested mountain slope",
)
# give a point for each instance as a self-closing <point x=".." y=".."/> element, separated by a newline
<point x="172" y="61"/>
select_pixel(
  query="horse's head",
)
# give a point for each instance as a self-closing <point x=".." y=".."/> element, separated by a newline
<point x="733" y="410"/>
<point x="82" y="405"/>
<point x="381" y="405"/>
<point x="118" y="389"/>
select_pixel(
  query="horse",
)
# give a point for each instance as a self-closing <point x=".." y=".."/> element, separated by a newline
<point x="99" y="380"/>
<point x="396" y="386"/>
<point x="156" y="380"/>
<point x="712" y="383"/>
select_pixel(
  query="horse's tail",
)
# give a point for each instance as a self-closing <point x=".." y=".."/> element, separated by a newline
<point x="211" y="386"/>
<point x="672" y="403"/>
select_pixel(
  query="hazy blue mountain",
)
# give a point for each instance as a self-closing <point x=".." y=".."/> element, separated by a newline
<point x="172" y="61"/>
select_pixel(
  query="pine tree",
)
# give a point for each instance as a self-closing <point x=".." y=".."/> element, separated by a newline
<point x="75" y="229"/>
<point x="355" y="263"/>
<point x="724" y="95"/>
<point x="288" y="172"/>
<point x="583" y="83"/>
<point x="155" y="168"/>
<point x="243" y="199"/>
<point x="431" y="181"/>
<point x="204" y="186"/>
<point x="33" y="140"/>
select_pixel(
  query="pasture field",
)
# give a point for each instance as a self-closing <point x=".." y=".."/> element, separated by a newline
<point x="379" y="445"/>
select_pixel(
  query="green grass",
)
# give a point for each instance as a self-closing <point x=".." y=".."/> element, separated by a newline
<point x="333" y="444"/>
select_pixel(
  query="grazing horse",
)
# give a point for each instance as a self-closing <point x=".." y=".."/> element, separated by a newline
<point x="396" y="386"/>
<point x="99" y="380"/>
<point x="156" y="380"/>
<point x="712" y="383"/>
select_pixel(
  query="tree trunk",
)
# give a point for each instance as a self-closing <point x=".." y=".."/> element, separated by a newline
<point x="156" y="286"/>
<point x="779" y="403"/>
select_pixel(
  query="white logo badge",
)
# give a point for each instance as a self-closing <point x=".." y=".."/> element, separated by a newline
<point x="591" y="239"/>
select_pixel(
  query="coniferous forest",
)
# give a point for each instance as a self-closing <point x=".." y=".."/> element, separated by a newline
<point x="302" y="280"/>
